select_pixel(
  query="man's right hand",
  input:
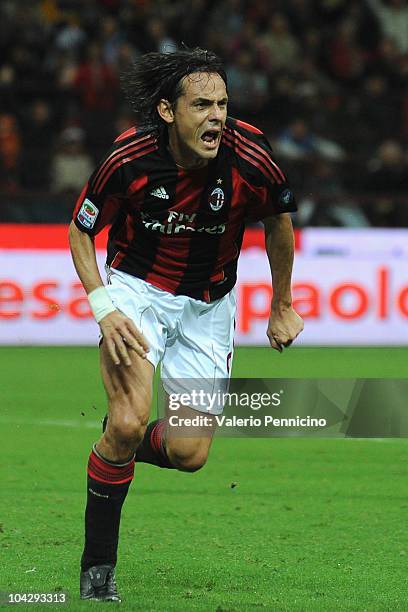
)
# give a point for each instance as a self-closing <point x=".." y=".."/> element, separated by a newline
<point x="121" y="334"/>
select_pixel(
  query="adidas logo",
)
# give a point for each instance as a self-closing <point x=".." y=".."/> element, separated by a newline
<point x="160" y="192"/>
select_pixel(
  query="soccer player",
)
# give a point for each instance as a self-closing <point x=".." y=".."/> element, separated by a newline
<point x="177" y="190"/>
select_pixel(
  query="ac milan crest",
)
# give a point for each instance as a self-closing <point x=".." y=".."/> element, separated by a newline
<point x="216" y="199"/>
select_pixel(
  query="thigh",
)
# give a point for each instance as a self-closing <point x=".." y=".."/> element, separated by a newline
<point x="128" y="388"/>
<point x="188" y="432"/>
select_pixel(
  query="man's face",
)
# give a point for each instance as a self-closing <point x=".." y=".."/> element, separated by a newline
<point x="198" y="119"/>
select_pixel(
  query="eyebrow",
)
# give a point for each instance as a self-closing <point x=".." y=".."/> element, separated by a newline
<point x="208" y="101"/>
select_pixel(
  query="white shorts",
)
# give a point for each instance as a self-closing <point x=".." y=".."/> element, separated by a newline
<point x="193" y="340"/>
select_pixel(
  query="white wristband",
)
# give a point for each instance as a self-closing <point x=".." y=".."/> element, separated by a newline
<point x="100" y="303"/>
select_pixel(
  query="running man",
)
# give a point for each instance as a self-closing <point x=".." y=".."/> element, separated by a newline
<point x="177" y="190"/>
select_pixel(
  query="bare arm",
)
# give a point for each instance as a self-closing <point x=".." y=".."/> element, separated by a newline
<point x="119" y="332"/>
<point x="84" y="258"/>
<point x="284" y="323"/>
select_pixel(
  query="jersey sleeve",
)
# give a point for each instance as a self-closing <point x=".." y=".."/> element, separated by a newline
<point x="102" y="196"/>
<point x="271" y="193"/>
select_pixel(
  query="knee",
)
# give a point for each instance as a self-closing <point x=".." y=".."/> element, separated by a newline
<point x="126" y="430"/>
<point x="187" y="461"/>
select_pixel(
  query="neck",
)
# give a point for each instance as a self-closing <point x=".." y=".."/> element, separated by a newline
<point x="183" y="156"/>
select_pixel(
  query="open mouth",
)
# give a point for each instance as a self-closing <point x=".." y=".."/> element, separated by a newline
<point x="211" y="138"/>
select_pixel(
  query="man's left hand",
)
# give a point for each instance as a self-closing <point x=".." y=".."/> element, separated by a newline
<point x="284" y="326"/>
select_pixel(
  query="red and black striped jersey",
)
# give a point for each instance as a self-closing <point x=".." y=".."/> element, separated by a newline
<point x="181" y="230"/>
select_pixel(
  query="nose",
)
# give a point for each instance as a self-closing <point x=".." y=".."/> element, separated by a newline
<point x="216" y="113"/>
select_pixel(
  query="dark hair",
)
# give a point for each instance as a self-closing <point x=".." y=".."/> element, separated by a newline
<point x="158" y="75"/>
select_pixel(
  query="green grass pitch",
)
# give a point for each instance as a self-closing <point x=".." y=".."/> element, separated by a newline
<point x="312" y="524"/>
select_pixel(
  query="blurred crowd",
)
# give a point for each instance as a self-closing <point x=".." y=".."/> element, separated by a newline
<point x="325" y="79"/>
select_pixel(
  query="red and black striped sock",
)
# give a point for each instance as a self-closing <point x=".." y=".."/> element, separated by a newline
<point x="152" y="448"/>
<point x="108" y="484"/>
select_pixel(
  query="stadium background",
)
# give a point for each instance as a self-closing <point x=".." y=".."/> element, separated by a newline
<point x="310" y="524"/>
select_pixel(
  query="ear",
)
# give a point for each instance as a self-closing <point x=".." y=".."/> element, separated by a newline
<point x="165" y="110"/>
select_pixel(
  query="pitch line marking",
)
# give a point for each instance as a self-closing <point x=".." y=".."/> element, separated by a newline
<point x="50" y="423"/>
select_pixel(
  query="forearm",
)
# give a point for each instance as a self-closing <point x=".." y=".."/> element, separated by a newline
<point x="84" y="258"/>
<point x="119" y="332"/>
<point x="279" y="242"/>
